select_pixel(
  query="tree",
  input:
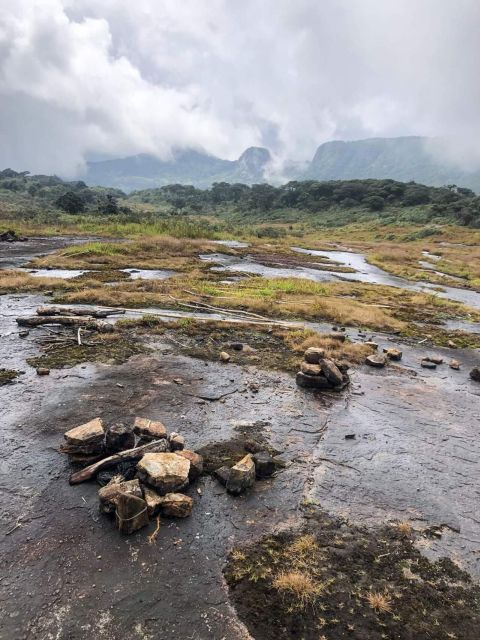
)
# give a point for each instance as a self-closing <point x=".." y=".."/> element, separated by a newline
<point x="109" y="205"/>
<point x="374" y="203"/>
<point x="70" y="202"/>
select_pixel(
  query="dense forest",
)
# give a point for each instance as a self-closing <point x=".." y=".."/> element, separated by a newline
<point x="334" y="201"/>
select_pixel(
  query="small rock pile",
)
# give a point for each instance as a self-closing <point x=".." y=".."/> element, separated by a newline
<point x="242" y="476"/>
<point x="319" y="372"/>
<point x="135" y="485"/>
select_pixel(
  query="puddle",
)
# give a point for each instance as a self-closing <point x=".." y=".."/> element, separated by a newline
<point x="149" y="274"/>
<point x="232" y="244"/>
<point x="66" y="274"/>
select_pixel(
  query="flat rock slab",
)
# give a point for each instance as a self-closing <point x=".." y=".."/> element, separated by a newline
<point x="149" y="429"/>
<point x="165" y="472"/>
<point x="85" y="433"/>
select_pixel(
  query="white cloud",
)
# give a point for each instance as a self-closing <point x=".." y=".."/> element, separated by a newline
<point x="117" y="77"/>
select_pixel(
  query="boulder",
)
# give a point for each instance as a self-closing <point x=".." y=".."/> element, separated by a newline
<point x="176" y="505"/>
<point x="119" y="437"/>
<point x="372" y="344"/>
<point x="331" y="372"/>
<point x="434" y="359"/>
<point x="242" y="476"/>
<point x="176" y="441"/>
<point x="43" y="371"/>
<point x="454" y="364"/>
<point x="475" y="374"/>
<point x="313" y="355"/>
<point x="224" y="356"/>
<point x="222" y="474"/>
<point x="131" y="513"/>
<point x="310" y="369"/>
<point x="166" y="472"/>
<point x="393" y="353"/>
<point x="427" y="364"/>
<point x="196" y="463"/>
<point x="149" y="429"/>
<point x="312" y="382"/>
<point x="109" y="494"/>
<point x="153" y="501"/>
<point x="264" y="464"/>
<point x="87" y="438"/>
<point x="377" y="361"/>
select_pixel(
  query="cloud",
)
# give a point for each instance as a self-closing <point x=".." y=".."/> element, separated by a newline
<point x="115" y="77"/>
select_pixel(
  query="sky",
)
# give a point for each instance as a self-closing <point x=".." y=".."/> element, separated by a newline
<point x="82" y="79"/>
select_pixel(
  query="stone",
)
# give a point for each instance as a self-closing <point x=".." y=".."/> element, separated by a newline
<point x="313" y="355"/>
<point x="196" y="463"/>
<point x="89" y="435"/>
<point x="426" y="364"/>
<point x="434" y="359"/>
<point x="109" y="494"/>
<point x="236" y="346"/>
<point x="331" y="371"/>
<point x="153" y="501"/>
<point x="372" y="344"/>
<point x="176" y="505"/>
<point x="242" y="476"/>
<point x="176" y="441"/>
<point x="24" y="334"/>
<point x="393" y="353"/>
<point x="451" y="344"/>
<point x="310" y="369"/>
<point x="222" y="474"/>
<point x="475" y="374"/>
<point x="454" y="364"/>
<point x="377" y="361"/>
<point x="149" y="429"/>
<point x="119" y="437"/>
<point x="43" y="371"/>
<point x="264" y="464"/>
<point x="224" y="356"/>
<point x="131" y="513"/>
<point x="165" y="472"/>
<point x="312" y="382"/>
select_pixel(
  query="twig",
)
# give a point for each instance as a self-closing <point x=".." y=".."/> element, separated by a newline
<point x="153" y="536"/>
<point x="79" y="340"/>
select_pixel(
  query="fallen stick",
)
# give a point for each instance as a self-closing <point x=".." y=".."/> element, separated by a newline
<point x="66" y="321"/>
<point x="129" y="454"/>
<point x="79" y="339"/>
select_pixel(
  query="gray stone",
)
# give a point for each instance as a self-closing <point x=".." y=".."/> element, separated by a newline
<point x="165" y="472"/>
<point x="331" y="371"/>
<point x="427" y="364"/>
<point x="222" y="474"/>
<point x="176" y="441"/>
<point x="475" y="374"/>
<point x="377" y="361"/>
<point x="313" y="354"/>
<point x="242" y="476"/>
<point x="196" y="463"/>
<point x="149" y="429"/>
<point x="109" y="494"/>
<point x="264" y="464"/>
<point x="312" y="382"/>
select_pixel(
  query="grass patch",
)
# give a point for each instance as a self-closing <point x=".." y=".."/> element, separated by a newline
<point x="337" y="581"/>
<point x="7" y="376"/>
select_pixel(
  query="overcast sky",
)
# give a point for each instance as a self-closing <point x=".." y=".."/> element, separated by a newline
<point x="89" y="78"/>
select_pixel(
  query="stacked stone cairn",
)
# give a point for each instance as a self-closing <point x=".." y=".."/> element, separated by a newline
<point x="319" y="372"/>
<point x="135" y="489"/>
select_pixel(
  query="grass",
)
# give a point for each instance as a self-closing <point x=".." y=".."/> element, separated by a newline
<point x="298" y="587"/>
<point x="379" y="602"/>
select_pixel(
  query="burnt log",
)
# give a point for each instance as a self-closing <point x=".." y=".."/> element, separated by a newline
<point x="77" y="311"/>
<point x="66" y="321"/>
<point x="91" y="471"/>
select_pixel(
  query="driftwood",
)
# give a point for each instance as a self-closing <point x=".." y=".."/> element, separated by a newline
<point x="123" y="456"/>
<point x="66" y="321"/>
<point x="76" y="311"/>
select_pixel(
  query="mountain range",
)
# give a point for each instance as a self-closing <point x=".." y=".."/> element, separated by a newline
<point x="403" y="158"/>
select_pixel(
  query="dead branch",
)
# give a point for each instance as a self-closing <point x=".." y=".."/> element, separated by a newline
<point x="66" y="321"/>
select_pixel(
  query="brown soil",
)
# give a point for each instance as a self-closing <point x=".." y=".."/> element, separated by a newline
<point x="335" y="581"/>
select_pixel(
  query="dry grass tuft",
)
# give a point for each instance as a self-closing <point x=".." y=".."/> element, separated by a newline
<point x="405" y="529"/>
<point x="297" y="585"/>
<point x="379" y="602"/>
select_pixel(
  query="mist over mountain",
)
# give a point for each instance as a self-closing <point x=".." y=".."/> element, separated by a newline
<point x="185" y="167"/>
<point x="405" y="159"/>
